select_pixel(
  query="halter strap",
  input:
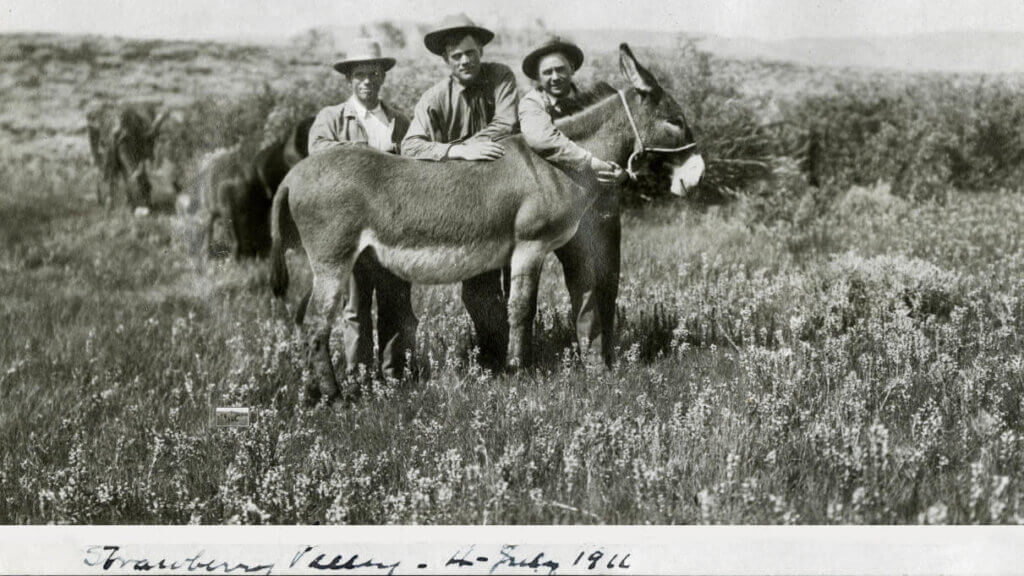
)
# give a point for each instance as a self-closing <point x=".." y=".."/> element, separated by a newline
<point x="638" y="146"/>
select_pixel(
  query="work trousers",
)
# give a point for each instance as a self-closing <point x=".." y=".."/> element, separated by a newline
<point x="590" y="264"/>
<point x="396" y="322"/>
<point x="486" y="299"/>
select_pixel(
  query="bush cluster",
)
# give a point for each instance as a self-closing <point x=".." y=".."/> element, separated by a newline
<point x="925" y="136"/>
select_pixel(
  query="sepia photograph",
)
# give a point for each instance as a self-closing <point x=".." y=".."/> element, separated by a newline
<point x="659" y="262"/>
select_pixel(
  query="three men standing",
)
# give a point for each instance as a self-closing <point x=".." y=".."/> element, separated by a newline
<point x="463" y="117"/>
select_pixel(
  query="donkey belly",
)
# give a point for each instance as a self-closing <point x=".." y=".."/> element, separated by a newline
<point x="439" y="264"/>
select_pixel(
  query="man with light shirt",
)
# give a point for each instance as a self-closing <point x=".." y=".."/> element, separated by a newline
<point x="364" y="120"/>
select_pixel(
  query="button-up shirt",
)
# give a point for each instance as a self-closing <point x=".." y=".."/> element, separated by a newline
<point x="449" y="113"/>
<point x="375" y="123"/>
<point x="351" y="123"/>
<point x="537" y="114"/>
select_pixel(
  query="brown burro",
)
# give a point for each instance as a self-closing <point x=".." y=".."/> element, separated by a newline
<point x="238" y="191"/>
<point x="226" y="189"/>
<point x="438" y="223"/>
<point x="274" y="161"/>
<point x="121" y="139"/>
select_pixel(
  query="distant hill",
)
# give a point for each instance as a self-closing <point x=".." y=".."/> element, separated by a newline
<point x="510" y="39"/>
<point x="992" y="52"/>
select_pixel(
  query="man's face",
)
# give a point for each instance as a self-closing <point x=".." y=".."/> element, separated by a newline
<point x="554" y="73"/>
<point x="366" y="80"/>
<point x="464" y="59"/>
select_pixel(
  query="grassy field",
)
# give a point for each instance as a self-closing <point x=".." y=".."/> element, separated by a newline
<point x="849" y="354"/>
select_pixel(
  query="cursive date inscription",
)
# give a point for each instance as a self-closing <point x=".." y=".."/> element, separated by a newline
<point x="513" y="559"/>
<point x="534" y="562"/>
<point x="108" y="557"/>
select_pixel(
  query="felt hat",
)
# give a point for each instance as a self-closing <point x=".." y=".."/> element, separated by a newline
<point x="550" y="46"/>
<point x="455" y="24"/>
<point x="363" y="51"/>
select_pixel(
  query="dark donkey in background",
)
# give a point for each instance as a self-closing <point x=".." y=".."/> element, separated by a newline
<point x="436" y="223"/>
<point x="122" y="139"/>
<point x="238" y="191"/>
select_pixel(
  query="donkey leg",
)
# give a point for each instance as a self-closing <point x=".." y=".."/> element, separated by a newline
<point x="328" y="290"/>
<point x="113" y="193"/>
<point x="211" y="217"/>
<point x="236" y="239"/>
<point x="527" y="262"/>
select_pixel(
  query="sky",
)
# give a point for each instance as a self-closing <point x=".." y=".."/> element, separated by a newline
<point x="267" y="19"/>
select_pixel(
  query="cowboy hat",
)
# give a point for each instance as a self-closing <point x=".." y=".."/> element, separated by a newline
<point x="363" y="51"/>
<point x="459" y="23"/>
<point x="550" y="46"/>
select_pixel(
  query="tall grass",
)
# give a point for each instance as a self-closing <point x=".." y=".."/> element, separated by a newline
<point x="877" y="382"/>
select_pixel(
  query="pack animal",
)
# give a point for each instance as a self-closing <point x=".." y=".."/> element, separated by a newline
<point x="434" y="223"/>
<point x="274" y="161"/>
<point x="122" y="139"/>
<point x="238" y="192"/>
<point x="227" y="189"/>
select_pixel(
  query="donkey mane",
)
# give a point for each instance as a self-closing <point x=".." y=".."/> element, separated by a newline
<point x="590" y="117"/>
<point x="594" y="95"/>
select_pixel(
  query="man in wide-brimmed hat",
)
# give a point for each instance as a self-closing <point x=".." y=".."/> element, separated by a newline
<point x="364" y="120"/>
<point x="459" y="118"/>
<point x="551" y="66"/>
<point x="462" y="115"/>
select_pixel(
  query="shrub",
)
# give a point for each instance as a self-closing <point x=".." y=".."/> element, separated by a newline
<point x="924" y="135"/>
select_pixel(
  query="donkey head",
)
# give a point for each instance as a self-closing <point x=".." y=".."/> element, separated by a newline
<point x="661" y="126"/>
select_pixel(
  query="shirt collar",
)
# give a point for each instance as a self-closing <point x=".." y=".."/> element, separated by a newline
<point x="558" y="102"/>
<point x="482" y="83"/>
<point x="356" y="108"/>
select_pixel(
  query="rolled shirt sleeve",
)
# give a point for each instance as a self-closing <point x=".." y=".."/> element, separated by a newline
<point x="449" y="113"/>
<point x="424" y="140"/>
<point x="544" y="138"/>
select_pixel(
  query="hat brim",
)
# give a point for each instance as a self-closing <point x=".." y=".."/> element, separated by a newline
<point x="571" y="51"/>
<point x="345" y="66"/>
<point x="435" y="40"/>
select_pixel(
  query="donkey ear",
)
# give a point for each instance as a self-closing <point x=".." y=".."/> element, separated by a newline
<point x="636" y="74"/>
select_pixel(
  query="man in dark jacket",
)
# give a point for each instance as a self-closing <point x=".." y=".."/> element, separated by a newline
<point x="590" y="260"/>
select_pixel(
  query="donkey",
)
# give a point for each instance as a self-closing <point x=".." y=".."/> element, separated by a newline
<point x="439" y="223"/>
<point x="122" y="140"/>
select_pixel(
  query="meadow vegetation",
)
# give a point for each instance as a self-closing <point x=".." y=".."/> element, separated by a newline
<point x="842" y="353"/>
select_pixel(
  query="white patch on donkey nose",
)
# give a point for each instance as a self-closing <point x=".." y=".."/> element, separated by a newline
<point x="687" y="175"/>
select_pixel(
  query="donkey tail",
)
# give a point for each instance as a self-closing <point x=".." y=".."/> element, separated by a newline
<point x="278" y="266"/>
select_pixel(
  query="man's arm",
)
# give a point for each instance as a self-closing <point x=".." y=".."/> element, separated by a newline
<point x="325" y="133"/>
<point x="506" y="104"/>
<point x="546" y="139"/>
<point x="421" y="140"/>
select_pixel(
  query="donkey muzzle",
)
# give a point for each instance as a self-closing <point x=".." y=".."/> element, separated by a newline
<point x="687" y="175"/>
